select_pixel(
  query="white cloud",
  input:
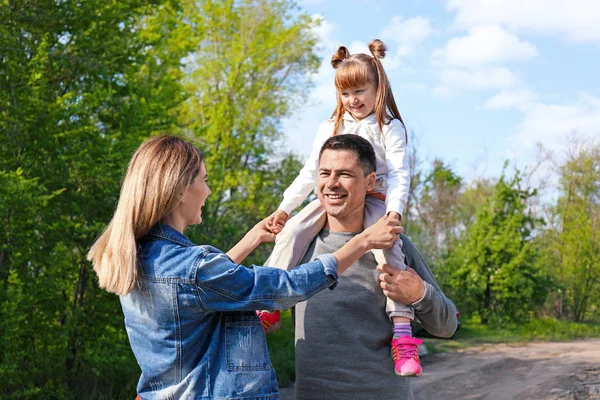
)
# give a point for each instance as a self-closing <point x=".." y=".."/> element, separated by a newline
<point x="511" y="99"/>
<point x="301" y="128"/>
<point x="576" y="20"/>
<point x="324" y="32"/>
<point x="442" y="91"/>
<point x="406" y="35"/>
<point x="410" y="31"/>
<point x="412" y="87"/>
<point x="358" y="46"/>
<point x="478" y="79"/>
<point x="484" y="45"/>
<point x="550" y="124"/>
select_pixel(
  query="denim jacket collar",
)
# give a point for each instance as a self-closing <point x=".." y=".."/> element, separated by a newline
<point x="167" y="232"/>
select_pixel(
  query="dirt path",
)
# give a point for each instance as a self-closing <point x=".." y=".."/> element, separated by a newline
<point x="540" y="371"/>
<point x="536" y="371"/>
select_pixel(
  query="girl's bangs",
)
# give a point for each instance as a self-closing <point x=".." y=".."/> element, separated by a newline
<point x="351" y="75"/>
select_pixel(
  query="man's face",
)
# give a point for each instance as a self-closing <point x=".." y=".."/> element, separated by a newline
<point x="342" y="185"/>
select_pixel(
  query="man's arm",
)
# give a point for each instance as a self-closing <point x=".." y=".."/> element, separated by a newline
<point x="436" y="312"/>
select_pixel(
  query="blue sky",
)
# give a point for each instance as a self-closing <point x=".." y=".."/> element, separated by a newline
<point x="479" y="81"/>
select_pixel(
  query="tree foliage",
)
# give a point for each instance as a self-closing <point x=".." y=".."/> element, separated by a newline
<point x="572" y="245"/>
<point x="495" y="273"/>
<point x="247" y="72"/>
<point x="82" y="84"/>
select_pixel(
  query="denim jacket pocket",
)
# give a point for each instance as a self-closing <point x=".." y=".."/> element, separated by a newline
<point x="246" y="345"/>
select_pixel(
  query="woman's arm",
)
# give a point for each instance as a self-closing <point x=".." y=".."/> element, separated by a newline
<point x="257" y="235"/>
<point x="224" y="285"/>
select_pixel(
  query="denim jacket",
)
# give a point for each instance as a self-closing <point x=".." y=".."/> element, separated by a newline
<point x="191" y="318"/>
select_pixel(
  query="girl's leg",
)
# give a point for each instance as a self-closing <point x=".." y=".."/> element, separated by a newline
<point x="293" y="241"/>
<point x="374" y="210"/>
<point x="404" y="346"/>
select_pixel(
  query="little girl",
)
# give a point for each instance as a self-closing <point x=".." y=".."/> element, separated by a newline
<point x="365" y="107"/>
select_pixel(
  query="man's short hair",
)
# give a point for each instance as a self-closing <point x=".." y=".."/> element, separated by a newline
<point x="363" y="149"/>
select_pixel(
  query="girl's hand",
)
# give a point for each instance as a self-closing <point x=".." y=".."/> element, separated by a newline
<point x="276" y="221"/>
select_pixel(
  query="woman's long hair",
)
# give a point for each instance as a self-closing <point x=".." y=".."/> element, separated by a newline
<point x="357" y="70"/>
<point x="158" y="174"/>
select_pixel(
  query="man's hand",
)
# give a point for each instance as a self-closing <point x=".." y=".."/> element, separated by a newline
<point x="394" y="214"/>
<point x="405" y="287"/>
<point x="276" y="221"/>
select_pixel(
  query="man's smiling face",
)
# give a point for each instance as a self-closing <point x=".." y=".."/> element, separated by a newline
<point x="342" y="185"/>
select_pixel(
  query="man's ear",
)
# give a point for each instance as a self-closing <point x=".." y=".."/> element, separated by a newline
<point x="371" y="179"/>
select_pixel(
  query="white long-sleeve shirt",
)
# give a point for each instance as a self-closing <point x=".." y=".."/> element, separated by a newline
<point x="393" y="171"/>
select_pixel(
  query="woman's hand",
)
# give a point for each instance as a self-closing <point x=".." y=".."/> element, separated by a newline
<point x="261" y="232"/>
<point x="383" y="233"/>
<point x="255" y="236"/>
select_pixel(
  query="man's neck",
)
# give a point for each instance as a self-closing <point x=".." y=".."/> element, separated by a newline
<point x="353" y="225"/>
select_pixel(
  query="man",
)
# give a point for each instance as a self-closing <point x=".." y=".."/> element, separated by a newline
<point x="343" y="335"/>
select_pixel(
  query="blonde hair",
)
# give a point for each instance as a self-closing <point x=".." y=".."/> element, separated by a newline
<point x="357" y="70"/>
<point x="159" y="172"/>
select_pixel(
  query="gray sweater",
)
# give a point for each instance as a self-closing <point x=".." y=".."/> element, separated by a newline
<point x="343" y="335"/>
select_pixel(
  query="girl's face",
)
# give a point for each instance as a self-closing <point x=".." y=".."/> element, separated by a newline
<point x="194" y="198"/>
<point x="359" y="101"/>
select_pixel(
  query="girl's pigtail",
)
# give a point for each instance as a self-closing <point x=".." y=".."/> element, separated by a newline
<point x="341" y="54"/>
<point x="384" y="102"/>
<point x="378" y="49"/>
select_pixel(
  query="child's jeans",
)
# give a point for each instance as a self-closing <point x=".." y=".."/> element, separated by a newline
<point x="293" y="241"/>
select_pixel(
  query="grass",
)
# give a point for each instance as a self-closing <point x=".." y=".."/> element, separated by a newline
<point x="472" y="333"/>
<point x="281" y="349"/>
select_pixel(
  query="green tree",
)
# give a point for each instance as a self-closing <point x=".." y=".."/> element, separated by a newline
<point x="80" y="90"/>
<point x="81" y="85"/>
<point x="572" y="244"/>
<point x="248" y="71"/>
<point x="437" y="209"/>
<point x="495" y="273"/>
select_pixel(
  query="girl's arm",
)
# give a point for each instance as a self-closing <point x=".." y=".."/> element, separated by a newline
<point x="306" y="180"/>
<point x="398" y="175"/>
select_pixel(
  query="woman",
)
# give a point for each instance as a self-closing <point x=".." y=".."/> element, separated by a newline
<point x="190" y="310"/>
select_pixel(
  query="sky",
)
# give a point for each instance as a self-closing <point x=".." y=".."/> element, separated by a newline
<point x="478" y="81"/>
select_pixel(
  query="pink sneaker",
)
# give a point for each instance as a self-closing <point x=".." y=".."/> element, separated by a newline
<point x="270" y="320"/>
<point x="405" y="353"/>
